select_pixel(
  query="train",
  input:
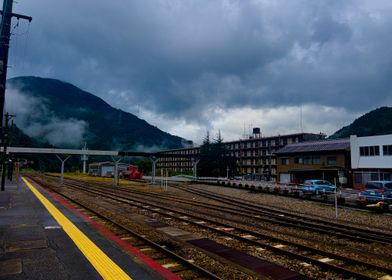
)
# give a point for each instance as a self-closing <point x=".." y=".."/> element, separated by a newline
<point x="106" y="169"/>
<point x="131" y="172"/>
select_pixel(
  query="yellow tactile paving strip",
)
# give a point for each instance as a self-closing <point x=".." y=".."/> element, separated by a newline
<point x="101" y="262"/>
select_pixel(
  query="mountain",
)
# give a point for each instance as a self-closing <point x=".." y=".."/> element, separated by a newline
<point x="20" y="139"/>
<point x="376" y="122"/>
<point x="63" y="115"/>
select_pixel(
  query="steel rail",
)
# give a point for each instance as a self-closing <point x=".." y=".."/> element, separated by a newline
<point x="347" y="231"/>
<point x="335" y="268"/>
<point x="132" y="232"/>
<point x="312" y="224"/>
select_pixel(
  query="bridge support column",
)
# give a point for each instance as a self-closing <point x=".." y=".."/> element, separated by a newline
<point x="154" y="161"/>
<point x="62" y="167"/>
<point x="84" y="158"/>
<point x="194" y="167"/>
<point x="115" y="175"/>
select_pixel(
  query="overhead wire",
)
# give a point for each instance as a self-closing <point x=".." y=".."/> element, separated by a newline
<point x="24" y="48"/>
<point x="15" y="49"/>
<point x="20" y="45"/>
<point x="19" y="48"/>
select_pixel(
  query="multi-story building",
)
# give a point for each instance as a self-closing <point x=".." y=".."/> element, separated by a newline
<point x="326" y="159"/>
<point x="371" y="158"/>
<point x="255" y="154"/>
<point x="177" y="163"/>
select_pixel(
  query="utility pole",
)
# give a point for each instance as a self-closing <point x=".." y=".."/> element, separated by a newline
<point x="5" y="142"/>
<point x="5" y="34"/>
<point x="4" y="47"/>
<point x="84" y="158"/>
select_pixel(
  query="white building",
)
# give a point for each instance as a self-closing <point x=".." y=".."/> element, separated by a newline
<point x="371" y="158"/>
<point x="105" y="169"/>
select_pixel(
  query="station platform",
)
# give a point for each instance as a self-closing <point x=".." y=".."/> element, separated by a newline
<point x="42" y="238"/>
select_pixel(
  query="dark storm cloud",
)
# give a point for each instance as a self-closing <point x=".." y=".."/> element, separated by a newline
<point x="179" y="58"/>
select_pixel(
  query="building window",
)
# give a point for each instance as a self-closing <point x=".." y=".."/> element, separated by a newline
<point x="316" y="160"/>
<point x="331" y="160"/>
<point x="367" y="151"/>
<point x="284" y="161"/>
<point x="298" y="160"/>
<point x="307" y="160"/>
<point x="387" y="150"/>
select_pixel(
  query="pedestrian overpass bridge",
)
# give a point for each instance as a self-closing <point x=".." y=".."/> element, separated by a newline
<point x="64" y="154"/>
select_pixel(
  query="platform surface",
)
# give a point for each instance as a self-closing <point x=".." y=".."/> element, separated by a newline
<point x="34" y="245"/>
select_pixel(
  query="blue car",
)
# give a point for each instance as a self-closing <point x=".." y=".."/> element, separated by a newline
<point x="317" y="187"/>
<point x="376" y="191"/>
<point x="374" y="196"/>
<point x="381" y="186"/>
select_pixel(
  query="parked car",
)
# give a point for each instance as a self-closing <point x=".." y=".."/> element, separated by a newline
<point x="317" y="187"/>
<point x="382" y="186"/>
<point x="376" y="191"/>
<point x="374" y="196"/>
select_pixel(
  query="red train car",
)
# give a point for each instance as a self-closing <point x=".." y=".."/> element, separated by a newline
<point x="131" y="172"/>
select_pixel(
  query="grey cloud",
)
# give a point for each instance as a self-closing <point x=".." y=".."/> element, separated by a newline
<point x="180" y="58"/>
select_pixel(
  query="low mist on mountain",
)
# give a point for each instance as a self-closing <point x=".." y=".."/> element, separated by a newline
<point x="57" y="113"/>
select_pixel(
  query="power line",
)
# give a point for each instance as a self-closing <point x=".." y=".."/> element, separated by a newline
<point x="5" y="35"/>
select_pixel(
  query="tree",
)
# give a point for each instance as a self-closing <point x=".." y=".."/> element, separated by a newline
<point x="144" y="165"/>
<point x="215" y="159"/>
<point x="204" y="166"/>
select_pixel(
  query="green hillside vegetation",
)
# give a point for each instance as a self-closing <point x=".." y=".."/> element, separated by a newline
<point x="376" y="122"/>
<point x="108" y="128"/>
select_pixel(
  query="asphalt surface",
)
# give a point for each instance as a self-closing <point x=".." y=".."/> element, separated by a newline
<point x="34" y="246"/>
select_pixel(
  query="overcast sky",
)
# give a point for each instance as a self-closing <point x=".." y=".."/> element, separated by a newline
<point x="188" y="66"/>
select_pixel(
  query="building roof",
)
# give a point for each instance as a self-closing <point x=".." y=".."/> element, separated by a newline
<point x="107" y="163"/>
<point x="250" y="140"/>
<point x="275" y="137"/>
<point x="316" y="146"/>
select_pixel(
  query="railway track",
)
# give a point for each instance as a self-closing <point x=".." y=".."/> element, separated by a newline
<point x="279" y="217"/>
<point x="294" y="220"/>
<point x="178" y="265"/>
<point x="252" y="215"/>
<point x="309" y="256"/>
